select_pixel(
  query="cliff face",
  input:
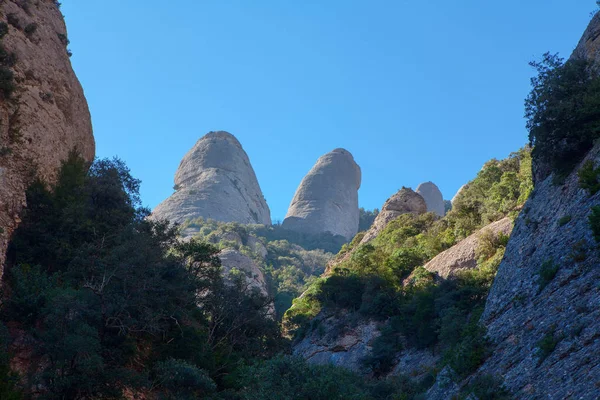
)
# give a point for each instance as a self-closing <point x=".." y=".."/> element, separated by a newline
<point x="46" y="116"/>
<point x="546" y="291"/>
<point x="327" y="198"/>
<point x="215" y="180"/>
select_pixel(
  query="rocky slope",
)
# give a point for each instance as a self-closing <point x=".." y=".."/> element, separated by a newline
<point x="463" y="255"/>
<point x="403" y="202"/>
<point x="46" y="116"/>
<point x="524" y="309"/>
<point x="215" y="180"/>
<point x="327" y="198"/>
<point x="433" y="198"/>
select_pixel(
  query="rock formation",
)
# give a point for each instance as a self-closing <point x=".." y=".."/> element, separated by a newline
<point x="231" y="259"/>
<point x="327" y="198"/>
<point x="433" y="198"/>
<point x="215" y="180"/>
<point x="46" y="116"/>
<point x="462" y="256"/>
<point x="403" y="202"/>
<point x="523" y="308"/>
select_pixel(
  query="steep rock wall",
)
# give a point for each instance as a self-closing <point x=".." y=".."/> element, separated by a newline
<point x="46" y="116"/>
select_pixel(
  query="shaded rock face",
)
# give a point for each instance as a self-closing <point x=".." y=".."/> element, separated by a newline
<point x="462" y="256"/>
<point x="231" y="259"/>
<point x="335" y="343"/>
<point x="215" y="180"/>
<point x="345" y="343"/>
<point x="47" y="115"/>
<point x="327" y="198"/>
<point x="520" y="312"/>
<point x="405" y="201"/>
<point x="433" y="198"/>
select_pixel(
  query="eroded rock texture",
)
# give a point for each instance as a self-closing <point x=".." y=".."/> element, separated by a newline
<point x="46" y="116"/>
<point x="523" y="308"/>
<point x="327" y="198"/>
<point x="215" y="180"/>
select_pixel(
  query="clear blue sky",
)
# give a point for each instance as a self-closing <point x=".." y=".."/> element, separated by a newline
<point x="416" y="90"/>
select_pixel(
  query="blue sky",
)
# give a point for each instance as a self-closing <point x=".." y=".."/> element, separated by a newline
<point x="416" y="90"/>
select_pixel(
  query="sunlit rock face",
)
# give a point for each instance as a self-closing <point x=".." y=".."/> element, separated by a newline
<point x="327" y="198"/>
<point x="433" y="198"/>
<point x="215" y="180"/>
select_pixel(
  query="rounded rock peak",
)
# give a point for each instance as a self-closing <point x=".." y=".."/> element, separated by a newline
<point x="343" y="160"/>
<point x="433" y="197"/>
<point x="222" y="135"/>
<point x="406" y="201"/>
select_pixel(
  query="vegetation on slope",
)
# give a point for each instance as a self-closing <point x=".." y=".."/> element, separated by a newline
<point x="384" y="279"/>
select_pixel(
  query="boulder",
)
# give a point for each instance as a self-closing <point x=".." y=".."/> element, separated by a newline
<point x="433" y="198"/>
<point x="327" y="198"/>
<point x="462" y="256"/>
<point x="405" y="201"/>
<point x="47" y="115"/>
<point x="215" y="180"/>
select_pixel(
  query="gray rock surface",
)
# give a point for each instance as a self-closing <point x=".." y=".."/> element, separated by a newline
<point x="215" y="180"/>
<point x="433" y="198"/>
<point x="403" y="202"/>
<point x="519" y="312"/>
<point x="47" y="115"/>
<point x="231" y="259"/>
<point x="327" y="198"/>
<point x="462" y="256"/>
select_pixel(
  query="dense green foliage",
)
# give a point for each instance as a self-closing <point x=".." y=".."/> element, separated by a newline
<point x="287" y="266"/>
<point x="563" y="112"/>
<point x="324" y="241"/>
<point x="112" y="301"/>
<point x="286" y="378"/>
<point x="588" y="177"/>
<point x="384" y="280"/>
<point x="366" y="218"/>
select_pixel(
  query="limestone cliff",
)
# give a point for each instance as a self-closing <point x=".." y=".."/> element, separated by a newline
<point x="327" y="198"/>
<point x="215" y="180"/>
<point x="46" y="115"/>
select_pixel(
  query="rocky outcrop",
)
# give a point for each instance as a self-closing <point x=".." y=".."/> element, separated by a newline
<point x="336" y="343"/>
<point x="542" y="312"/>
<point x="405" y="201"/>
<point x="233" y="259"/>
<point x="46" y="116"/>
<point x="215" y="180"/>
<point x="327" y="198"/>
<point x="588" y="47"/>
<point x="433" y="198"/>
<point x="463" y="255"/>
<point x="344" y="341"/>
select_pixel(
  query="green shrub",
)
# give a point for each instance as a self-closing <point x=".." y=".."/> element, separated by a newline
<point x="8" y="379"/>
<point x="547" y="273"/>
<point x="564" y="220"/>
<point x="547" y="344"/>
<point x="177" y="379"/>
<point x="3" y="29"/>
<point x="594" y="222"/>
<point x="563" y="113"/>
<point x="30" y="29"/>
<point x="588" y="177"/>
<point x="485" y="387"/>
